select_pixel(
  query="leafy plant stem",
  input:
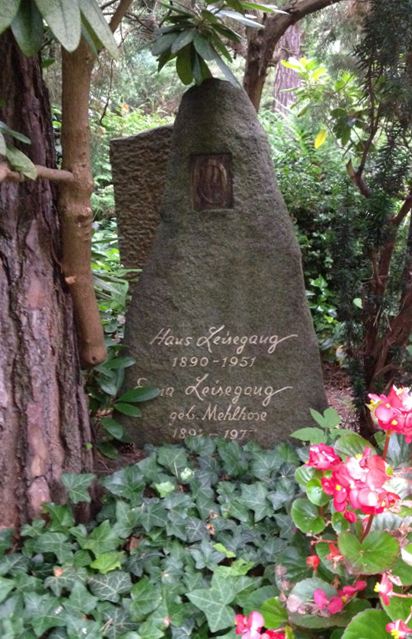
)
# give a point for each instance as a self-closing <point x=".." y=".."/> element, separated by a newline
<point x="368" y="527"/>
<point x="386" y="446"/>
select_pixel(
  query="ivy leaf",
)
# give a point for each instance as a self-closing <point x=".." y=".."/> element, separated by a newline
<point x="44" y="612"/>
<point x="77" y="486"/>
<point x="369" y="624"/>
<point x="96" y="20"/>
<point x="154" y="515"/>
<point x="108" y="561"/>
<point x="376" y="553"/>
<point x="20" y="162"/>
<point x="55" y="542"/>
<point x="102" y="539"/>
<point x="6" y="586"/>
<point x="254" y="497"/>
<point x="8" y="10"/>
<point x="80" y="601"/>
<point x="214" y="603"/>
<point x="6" y="539"/>
<point x="61" y="517"/>
<point x="63" y="18"/>
<point x="174" y="458"/>
<point x="110" y="587"/>
<point x="146" y="597"/>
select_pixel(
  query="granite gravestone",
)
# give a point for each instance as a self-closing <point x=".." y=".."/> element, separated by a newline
<point x="218" y="319"/>
<point x="139" y="165"/>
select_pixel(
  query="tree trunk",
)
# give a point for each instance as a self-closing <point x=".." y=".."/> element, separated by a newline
<point x="286" y="79"/>
<point x="43" y="412"/>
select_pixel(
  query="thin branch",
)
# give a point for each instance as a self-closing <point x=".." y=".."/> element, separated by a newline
<point x="122" y="9"/>
<point x="54" y="175"/>
<point x="403" y="211"/>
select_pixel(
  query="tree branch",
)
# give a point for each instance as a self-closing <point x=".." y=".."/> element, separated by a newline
<point x="122" y="9"/>
<point x="54" y="175"/>
<point x="262" y="42"/>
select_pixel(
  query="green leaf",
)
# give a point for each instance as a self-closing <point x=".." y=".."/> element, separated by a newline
<point x="140" y="394"/>
<point x="303" y="474"/>
<point x="183" y="39"/>
<point x="6" y="586"/>
<point x="119" y="362"/>
<point x="184" y="65"/>
<point x="369" y="624"/>
<point x="96" y="21"/>
<point x="102" y="539"/>
<point x="112" y="427"/>
<point x="2" y="145"/>
<point x="127" y="409"/>
<point x="306" y="516"/>
<point x="204" y="48"/>
<point x="398" y="607"/>
<point x="80" y="601"/>
<point x="312" y="435"/>
<point x="274" y="613"/>
<point x="376" y="553"/>
<point x="21" y="163"/>
<point x="146" y="597"/>
<point x="110" y="587"/>
<point x="214" y="603"/>
<point x="254" y="497"/>
<point x="14" y="134"/>
<point x="164" y="43"/>
<point x="55" y="542"/>
<point x="315" y="493"/>
<point x="27" y="28"/>
<point x="108" y="449"/>
<point x="8" y="9"/>
<point x="63" y="18"/>
<point x="77" y="486"/>
<point x="351" y="444"/>
<point x="61" y="517"/>
<point x="108" y="561"/>
<point x="239" y="17"/>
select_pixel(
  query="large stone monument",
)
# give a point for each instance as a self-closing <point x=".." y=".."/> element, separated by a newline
<point x="139" y="165"/>
<point x="218" y="319"/>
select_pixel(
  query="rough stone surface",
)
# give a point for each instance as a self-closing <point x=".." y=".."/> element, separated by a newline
<point x="139" y="168"/>
<point x="218" y="319"/>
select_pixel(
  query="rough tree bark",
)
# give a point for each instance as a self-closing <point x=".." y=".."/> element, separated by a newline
<point x="43" y="414"/>
<point x="262" y="42"/>
<point x="286" y="79"/>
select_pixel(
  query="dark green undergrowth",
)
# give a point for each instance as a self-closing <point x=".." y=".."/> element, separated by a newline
<point x="183" y="540"/>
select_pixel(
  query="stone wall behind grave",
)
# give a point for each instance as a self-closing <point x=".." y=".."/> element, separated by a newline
<point x="139" y="165"/>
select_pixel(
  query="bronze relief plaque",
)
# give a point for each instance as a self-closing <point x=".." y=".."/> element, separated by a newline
<point x="212" y="182"/>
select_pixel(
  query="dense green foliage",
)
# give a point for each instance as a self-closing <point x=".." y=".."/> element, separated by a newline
<point x="184" y="538"/>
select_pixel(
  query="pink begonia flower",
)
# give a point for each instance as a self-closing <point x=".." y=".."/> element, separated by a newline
<point x="358" y="483"/>
<point x="335" y="605"/>
<point x="393" y="412"/>
<point x="323" y="457"/>
<point x="273" y="634"/>
<point x="320" y="598"/>
<point x="398" y="629"/>
<point x="385" y="589"/>
<point x="313" y="561"/>
<point x="249" y="626"/>
<point x="349" y="591"/>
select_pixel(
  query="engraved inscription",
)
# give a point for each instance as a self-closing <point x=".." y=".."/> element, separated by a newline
<point x="211" y="177"/>
<point x="211" y="401"/>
